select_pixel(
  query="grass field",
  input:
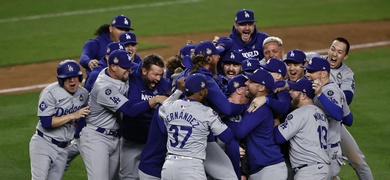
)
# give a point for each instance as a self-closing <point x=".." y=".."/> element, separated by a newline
<point x="57" y="29"/>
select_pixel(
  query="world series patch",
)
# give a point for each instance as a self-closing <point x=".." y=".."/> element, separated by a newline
<point x="330" y="93"/>
<point x="81" y="98"/>
<point x="108" y="92"/>
<point x="42" y="106"/>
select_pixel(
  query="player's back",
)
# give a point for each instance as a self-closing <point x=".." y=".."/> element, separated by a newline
<point x="308" y="144"/>
<point x="188" y="124"/>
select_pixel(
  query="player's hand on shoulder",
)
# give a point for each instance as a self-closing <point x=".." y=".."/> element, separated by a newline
<point x="180" y="84"/>
<point x="157" y="100"/>
<point x="92" y="63"/>
<point x="257" y="103"/>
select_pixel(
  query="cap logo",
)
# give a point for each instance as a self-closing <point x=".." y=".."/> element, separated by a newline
<point x="208" y="51"/>
<point x="249" y="64"/>
<point x="232" y="55"/>
<point x="128" y="57"/>
<point x="125" y="21"/>
<point x="128" y="36"/>
<point x="304" y="90"/>
<point x="247" y="15"/>
<point x="292" y="54"/>
<point x="263" y="82"/>
<point x="120" y="46"/>
<point x="113" y="21"/>
<point x="70" y="68"/>
<point x="116" y="60"/>
<point x="202" y="84"/>
<point x="236" y="84"/>
<point x="108" y="50"/>
<point x="310" y="62"/>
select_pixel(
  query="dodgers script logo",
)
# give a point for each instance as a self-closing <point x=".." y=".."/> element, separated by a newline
<point x="61" y="111"/>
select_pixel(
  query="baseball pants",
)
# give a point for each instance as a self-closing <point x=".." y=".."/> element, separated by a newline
<point x="129" y="159"/>
<point x="355" y="156"/>
<point x="334" y="153"/>
<point x="100" y="153"/>
<point x="179" y="167"/>
<point x="144" y="176"/>
<point x="73" y="152"/>
<point x="274" y="172"/>
<point x="315" y="171"/>
<point x="217" y="163"/>
<point x="46" y="159"/>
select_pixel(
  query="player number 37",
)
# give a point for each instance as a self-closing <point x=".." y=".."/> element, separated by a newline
<point x="185" y="131"/>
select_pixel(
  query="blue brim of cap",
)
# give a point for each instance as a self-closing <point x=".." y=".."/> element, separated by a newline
<point x="247" y="21"/>
<point x="187" y="61"/>
<point x="209" y="84"/>
<point x="293" y="85"/>
<point x="309" y="68"/>
<point x="129" y="42"/>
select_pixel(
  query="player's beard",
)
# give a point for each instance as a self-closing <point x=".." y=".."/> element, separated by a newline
<point x="149" y="83"/>
<point x="295" y="101"/>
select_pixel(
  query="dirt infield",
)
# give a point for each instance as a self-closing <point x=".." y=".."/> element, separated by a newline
<point x="305" y="38"/>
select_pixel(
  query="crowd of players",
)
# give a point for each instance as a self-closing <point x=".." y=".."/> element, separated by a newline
<point x="232" y="107"/>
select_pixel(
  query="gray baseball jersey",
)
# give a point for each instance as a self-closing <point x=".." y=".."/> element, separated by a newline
<point x="307" y="130"/>
<point x="107" y="96"/>
<point x="336" y="95"/>
<point x="48" y="152"/>
<point x="343" y="77"/>
<point x="55" y="100"/>
<point x="188" y="124"/>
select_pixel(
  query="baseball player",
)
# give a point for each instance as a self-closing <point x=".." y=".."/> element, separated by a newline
<point x="294" y="60"/>
<point x="231" y="65"/>
<point x="147" y="87"/>
<point x="99" y="140"/>
<point x="336" y="109"/>
<point x="102" y="64"/>
<point x="306" y="129"/>
<point x="344" y="77"/>
<point x="264" y="157"/>
<point x="60" y="105"/>
<point x="236" y="90"/>
<point x="188" y="123"/>
<point x="273" y="48"/>
<point x="129" y="40"/>
<point x="250" y="65"/>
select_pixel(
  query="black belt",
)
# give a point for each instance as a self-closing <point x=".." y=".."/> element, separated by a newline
<point x="334" y="145"/>
<point x="61" y="144"/>
<point x="305" y="165"/>
<point x="108" y="132"/>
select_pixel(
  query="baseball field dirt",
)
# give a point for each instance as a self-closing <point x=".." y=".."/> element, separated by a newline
<point x="306" y="38"/>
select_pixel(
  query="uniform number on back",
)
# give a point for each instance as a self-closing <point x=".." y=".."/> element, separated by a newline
<point x="323" y="136"/>
<point x="185" y="131"/>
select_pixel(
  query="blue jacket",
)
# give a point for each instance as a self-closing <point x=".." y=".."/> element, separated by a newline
<point x="136" y="127"/>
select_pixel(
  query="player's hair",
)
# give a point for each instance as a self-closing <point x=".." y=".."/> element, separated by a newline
<point x="345" y="41"/>
<point x="273" y="39"/>
<point x="152" y="59"/>
<point x="173" y="63"/>
<point x="198" y="61"/>
<point x="102" y="29"/>
<point x="188" y="93"/>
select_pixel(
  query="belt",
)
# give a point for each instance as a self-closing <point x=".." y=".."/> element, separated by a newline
<point x="108" y="132"/>
<point x="334" y="145"/>
<point x="61" y="144"/>
<point x="177" y="157"/>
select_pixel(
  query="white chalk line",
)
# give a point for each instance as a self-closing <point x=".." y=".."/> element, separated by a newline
<point x="319" y="51"/>
<point x="93" y="11"/>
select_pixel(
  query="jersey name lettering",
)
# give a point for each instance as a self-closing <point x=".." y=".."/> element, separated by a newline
<point x="319" y="116"/>
<point x="183" y="116"/>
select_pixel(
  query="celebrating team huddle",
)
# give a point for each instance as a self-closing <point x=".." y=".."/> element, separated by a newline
<point x="231" y="107"/>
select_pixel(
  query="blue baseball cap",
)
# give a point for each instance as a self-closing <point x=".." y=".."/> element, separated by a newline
<point x="296" y="55"/>
<point x="122" y="22"/>
<point x="207" y="48"/>
<point x="114" y="46"/>
<point x="303" y="85"/>
<point x="275" y="65"/>
<point x="262" y="77"/>
<point x="249" y="65"/>
<point x="121" y="58"/>
<point x="196" y="82"/>
<point x="318" y="64"/>
<point x="187" y="49"/>
<point x="233" y="56"/>
<point x="128" y="38"/>
<point x="244" y="16"/>
<point x="236" y="82"/>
